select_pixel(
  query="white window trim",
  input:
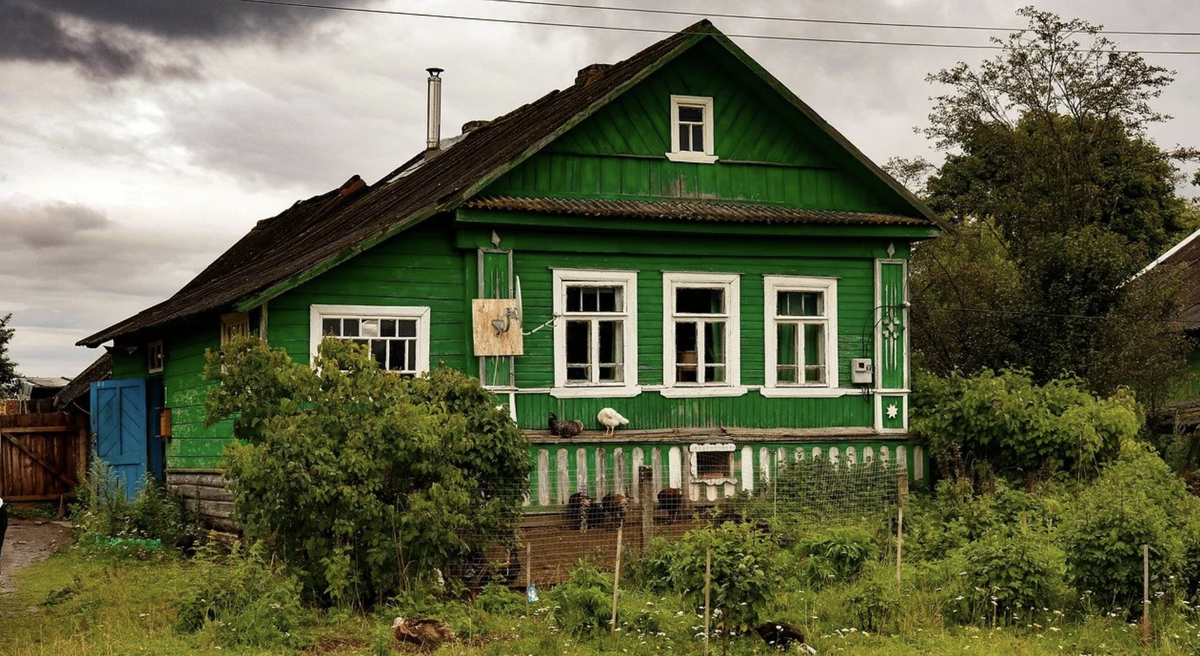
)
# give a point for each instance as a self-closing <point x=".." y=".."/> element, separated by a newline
<point x="708" y="156"/>
<point x="728" y="448"/>
<point x="733" y="350"/>
<point x="627" y="388"/>
<point x="420" y="313"/>
<point x="772" y="285"/>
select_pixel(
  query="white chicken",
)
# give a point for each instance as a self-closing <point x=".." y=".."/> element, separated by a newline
<point x="611" y="420"/>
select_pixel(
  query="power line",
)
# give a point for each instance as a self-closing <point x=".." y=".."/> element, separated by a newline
<point x="651" y="30"/>
<point x="819" y="21"/>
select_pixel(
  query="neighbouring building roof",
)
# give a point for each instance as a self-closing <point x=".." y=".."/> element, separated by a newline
<point x="316" y="234"/>
<point x="80" y="385"/>
<point x="1185" y="257"/>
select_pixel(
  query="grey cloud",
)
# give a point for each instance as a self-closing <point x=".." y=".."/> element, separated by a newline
<point x="50" y="226"/>
<point x="112" y="39"/>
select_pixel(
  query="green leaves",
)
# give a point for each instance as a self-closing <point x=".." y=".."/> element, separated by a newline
<point x="363" y="480"/>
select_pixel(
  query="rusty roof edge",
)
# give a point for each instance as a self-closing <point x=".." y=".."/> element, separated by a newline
<point x="825" y="126"/>
<point x="451" y="201"/>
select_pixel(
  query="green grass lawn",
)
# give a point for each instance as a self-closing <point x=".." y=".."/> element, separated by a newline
<point x="72" y="604"/>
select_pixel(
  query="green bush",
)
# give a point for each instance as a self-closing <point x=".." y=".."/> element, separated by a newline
<point x="1137" y="501"/>
<point x="874" y="597"/>
<point x="499" y="600"/>
<point x="243" y="600"/>
<point x="362" y="481"/>
<point x="744" y="572"/>
<point x="106" y="519"/>
<point x="1020" y="429"/>
<point x="583" y="605"/>
<point x="1013" y="571"/>
<point x="837" y="554"/>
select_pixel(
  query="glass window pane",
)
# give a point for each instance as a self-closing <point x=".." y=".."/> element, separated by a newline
<point x="591" y="299"/>
<point x="331" y="327"/>
<point x="698" y="138"/>
<point x="714" y="342"/>
<point x="814" y="353"/>
<point x="379" y="352"/>
<point x="786" y="347"/>
<point x="406" y="328"/>
<point x="714" y="373"/>
<point x="350" y="328"/>
<point x="577" y="373"/>
<point x="686" y="357"/>
<point x="574" y="299"/>
<point x="787" y="374"/>
<point x="611" y="374"/>
<point x="411" y="362"/>
<point x="611" y="341"/>
<point x="691" y="114"/>
<point x="800" y="304"/>
<point x="690" y="300"/>
<point x="369" y="327"/>
<point x="579" y="342"/>
<point x="685" y="144"/>
<point x="387" y="328"/>
<point x="610" y="299"/>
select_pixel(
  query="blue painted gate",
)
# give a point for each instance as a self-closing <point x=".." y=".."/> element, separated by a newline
<point x="119" y="424"/>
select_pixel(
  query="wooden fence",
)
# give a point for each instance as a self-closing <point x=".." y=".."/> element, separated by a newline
<point x="41" y="455"/>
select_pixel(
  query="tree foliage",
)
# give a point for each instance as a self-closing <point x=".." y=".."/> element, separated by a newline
<point x="362" y="481"/>
<point x="1059" y="198"/>
<point x="8" y="368"/>
<point x="1021" y="429"/>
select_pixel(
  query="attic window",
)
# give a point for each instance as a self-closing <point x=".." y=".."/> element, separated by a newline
<point x="692" y="130"/>
<point x="154" y="357"/>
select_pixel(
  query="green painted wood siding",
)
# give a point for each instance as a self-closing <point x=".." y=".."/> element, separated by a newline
<point x="893" y="339"/>
<point x="416" y="268"/>
<point x="192" y="445"/>
<point x="769" y="153"/>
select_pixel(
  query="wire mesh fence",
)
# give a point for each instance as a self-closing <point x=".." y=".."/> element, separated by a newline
<point x="589" y="501"/>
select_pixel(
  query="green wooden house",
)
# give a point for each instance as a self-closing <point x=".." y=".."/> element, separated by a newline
<point x="676" y="236"/>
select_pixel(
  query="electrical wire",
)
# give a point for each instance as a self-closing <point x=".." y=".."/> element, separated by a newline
<point x="651" y="30"/>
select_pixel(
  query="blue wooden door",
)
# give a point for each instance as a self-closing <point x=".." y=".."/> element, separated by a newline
<point x="119" y="424"/>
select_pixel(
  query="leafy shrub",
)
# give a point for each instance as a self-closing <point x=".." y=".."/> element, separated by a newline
<point x="583" y="605"/>
<point x="362" y="481"/>
<point x="102" y="512"/>
<point x="1010" y="571"/>
<point x="244" y="600"/>
<point x="744" y="571"/>
<point x="874" y="597"/>
<point x="1136" y="501"/>
<point x="652" y="570"/>
<point x="1019" y="428"/>
<point x="837" y="553"/>
<point x="499" y="600"/>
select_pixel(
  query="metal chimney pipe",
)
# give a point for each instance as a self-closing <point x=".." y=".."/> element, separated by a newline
<point x="433" y="132"/>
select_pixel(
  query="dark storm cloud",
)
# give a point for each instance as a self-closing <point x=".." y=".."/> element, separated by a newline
<point x="110" y="39"/>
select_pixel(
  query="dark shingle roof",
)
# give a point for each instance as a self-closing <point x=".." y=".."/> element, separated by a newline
<point x="80" y="385"/>
<point x="1184" y="257"/>
<point x="322" y="231"/>
<point x="688" y="211"/>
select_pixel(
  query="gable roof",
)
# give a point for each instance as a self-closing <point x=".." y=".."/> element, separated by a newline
<point x="80" y="385"/>
<point x="316" y="234"/>
<point x="1186" y="257"/>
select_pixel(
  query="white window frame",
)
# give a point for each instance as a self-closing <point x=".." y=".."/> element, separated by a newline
<point x="626" y="279"/>
<point x="772" y="285"/>
<point x="695" y="157"/>
<point x="419" y="312"/>
<point x="694" y="460"/>
<point x="156" y="356"/>
<point x="731" y="284"/>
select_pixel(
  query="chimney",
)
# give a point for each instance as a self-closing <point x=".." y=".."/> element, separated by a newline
<point x="433" y="132"/>
<point x="590" y="73"/>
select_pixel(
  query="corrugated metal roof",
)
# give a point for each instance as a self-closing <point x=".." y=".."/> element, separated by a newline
<point x="326" y="229"/>
<point x="688" y="211"/>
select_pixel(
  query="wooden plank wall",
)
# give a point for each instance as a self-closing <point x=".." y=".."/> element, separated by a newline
<point x="42" y="456"/>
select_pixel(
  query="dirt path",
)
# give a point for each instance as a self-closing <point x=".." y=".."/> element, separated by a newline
<point x="29" y="541"/>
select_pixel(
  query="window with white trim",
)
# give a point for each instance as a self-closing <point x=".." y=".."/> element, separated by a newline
<point x="396" y="336"/>
<point x="701" y="329"/>
<point x="712" y="464"/>
<point x="801" y="331"/>
<point x="692" y="130"/>
<point x="595" y="336"/>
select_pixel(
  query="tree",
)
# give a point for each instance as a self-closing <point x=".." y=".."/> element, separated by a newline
<point x="1059" y="199"/>
<point x="363" y="482"/>
<point x="8" y="368"/>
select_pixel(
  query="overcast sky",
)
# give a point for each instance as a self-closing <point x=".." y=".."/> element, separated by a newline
<point x="140" y="138"/>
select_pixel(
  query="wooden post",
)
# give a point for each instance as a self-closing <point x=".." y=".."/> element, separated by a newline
<point x="616" y="581"/>
<point x="707" y="598"/>
<point x="528" y="575"/>
<point x="646" y="499"/>
<point x="1145" y="594"/>
<point x="901" y="501"/>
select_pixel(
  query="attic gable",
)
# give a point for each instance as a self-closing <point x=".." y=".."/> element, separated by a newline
<point x="768" y="151"/>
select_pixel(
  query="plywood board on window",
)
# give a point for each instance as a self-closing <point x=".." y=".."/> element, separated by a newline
<point x="488" y="339"/>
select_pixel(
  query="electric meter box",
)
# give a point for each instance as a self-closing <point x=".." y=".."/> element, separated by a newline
<point x="862" y="371"/>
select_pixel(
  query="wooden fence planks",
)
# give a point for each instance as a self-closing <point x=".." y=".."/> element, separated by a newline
<point x="42" y="455"/>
